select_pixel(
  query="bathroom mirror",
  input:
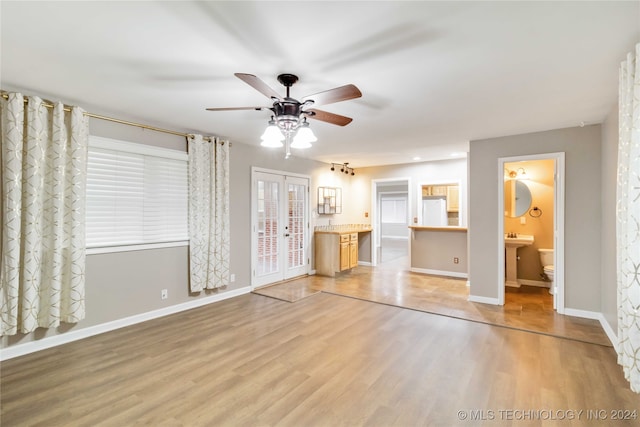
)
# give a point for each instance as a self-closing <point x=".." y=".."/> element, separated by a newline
<point x="517" y="198"/>
<point x="439" y="205"/>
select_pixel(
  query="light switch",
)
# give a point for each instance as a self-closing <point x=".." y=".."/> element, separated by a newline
<point x="523" y="220"/>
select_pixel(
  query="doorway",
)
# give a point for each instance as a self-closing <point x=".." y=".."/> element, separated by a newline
<point x="391" y="210"/>
<point x="511" y="171"/>
<point x="280" y="226"/>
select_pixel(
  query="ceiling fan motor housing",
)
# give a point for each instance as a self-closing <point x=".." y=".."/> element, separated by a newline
<point x="287" y="113"/>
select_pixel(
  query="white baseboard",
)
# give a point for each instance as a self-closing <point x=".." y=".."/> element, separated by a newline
<point x="364" y="263"/>
<point x="611" y="334"/>
<point x="483" y="300"/>
<point x="613" y="337"/>
<point x="440" y="272"/>
<point x="395" y="237"/>
<point x="538" y="283"/>
<point x="582" y="313"/>
<point x="56" y="340"/>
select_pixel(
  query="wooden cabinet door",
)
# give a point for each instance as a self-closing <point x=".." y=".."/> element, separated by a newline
<point x="353" y="254"/>
<point x="452" y="198"/>
<point x="353" y="250"/>
<point x="344" y="256"/>
<point x="439" y="190"/>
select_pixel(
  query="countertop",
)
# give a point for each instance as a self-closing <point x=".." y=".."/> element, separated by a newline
<point x="347" y="230"/>
<point x="424" y="228"/>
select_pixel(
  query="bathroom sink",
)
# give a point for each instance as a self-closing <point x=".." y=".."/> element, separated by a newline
<point x="520" y="240"/>
<point x="511" y="245"/>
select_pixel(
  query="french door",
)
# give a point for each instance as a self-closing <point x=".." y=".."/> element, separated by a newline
<point x="280" y="227"/>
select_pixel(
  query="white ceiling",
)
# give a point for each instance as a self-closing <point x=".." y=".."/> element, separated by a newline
<point x="434" y="75"/>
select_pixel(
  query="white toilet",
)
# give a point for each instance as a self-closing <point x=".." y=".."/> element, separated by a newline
<point x="546" y="259"/>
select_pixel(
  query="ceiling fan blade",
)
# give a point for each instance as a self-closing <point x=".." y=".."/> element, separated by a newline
<point x="258" y="85"/>
<point x="337" y="94"/>
<point x="237" y="108"/>
<point x="334" y="119"/>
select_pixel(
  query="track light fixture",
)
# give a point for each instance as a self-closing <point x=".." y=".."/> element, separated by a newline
<point x="344" y="168"/>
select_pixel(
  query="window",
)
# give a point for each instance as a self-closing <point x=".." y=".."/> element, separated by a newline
<point x="136" y="195"/>
<point x="393" y="209"/>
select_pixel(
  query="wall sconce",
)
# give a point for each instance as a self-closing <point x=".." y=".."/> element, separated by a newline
<point x="520" y="173"/>
<point x="344" y="167"/>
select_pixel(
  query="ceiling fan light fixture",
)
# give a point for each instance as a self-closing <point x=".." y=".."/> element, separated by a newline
<point x="272" y="136"/>
<point x="288" y="126"/>
<point x="304" y="137"/>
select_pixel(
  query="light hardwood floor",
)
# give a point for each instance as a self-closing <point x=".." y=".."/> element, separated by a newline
<point x="527" y="308"/>
<point x="331" y="359"/>
<point x="326" y="360"/>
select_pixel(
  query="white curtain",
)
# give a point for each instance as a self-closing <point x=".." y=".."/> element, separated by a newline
<point x="208" y="213"/>
<point x="44" y="157"/>
<point x="628" y="221"/>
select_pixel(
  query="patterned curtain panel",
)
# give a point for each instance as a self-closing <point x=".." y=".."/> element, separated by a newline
<point x="208" y="214"/>
<point x="628" y="221"/>
<point x="44" y="157"/>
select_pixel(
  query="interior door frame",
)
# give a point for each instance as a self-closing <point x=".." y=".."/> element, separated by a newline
<point x="375" y="214"/>
<point x="558" y="224"/>
<point x="254" y="221"/>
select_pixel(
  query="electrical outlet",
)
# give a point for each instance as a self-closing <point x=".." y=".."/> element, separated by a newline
<point x="164" y="294"/>
<point x="232" y="278"/>
<point x="456" y="260"/>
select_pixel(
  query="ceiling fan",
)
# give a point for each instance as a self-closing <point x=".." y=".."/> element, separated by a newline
<point x="289" y="119"/>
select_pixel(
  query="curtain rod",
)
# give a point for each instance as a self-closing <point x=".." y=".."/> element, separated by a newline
<point x="48" y="104"/>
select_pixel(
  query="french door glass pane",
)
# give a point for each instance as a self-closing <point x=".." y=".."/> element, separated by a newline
<point x="296" y="195"/>
<point x="268" y="246"/>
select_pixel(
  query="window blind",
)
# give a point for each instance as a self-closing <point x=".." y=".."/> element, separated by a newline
<point x="393" y="210"/>
<point x="135" y="196"/>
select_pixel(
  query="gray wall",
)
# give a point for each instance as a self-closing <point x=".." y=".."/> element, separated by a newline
<point x="583" y="221"/>
<point x="119" y="285"/>
<point x="435" y="250"/>
<point x="609" y="293"/>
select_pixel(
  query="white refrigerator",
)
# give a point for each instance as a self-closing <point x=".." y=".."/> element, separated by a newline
<point x="434" y="212"/>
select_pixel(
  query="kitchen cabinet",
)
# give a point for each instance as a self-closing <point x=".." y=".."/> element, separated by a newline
<point x="434" y="190"/>
<point x="335" y="251"/>
<point x="450" y="191"/>
<point x="453" y="198"/>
